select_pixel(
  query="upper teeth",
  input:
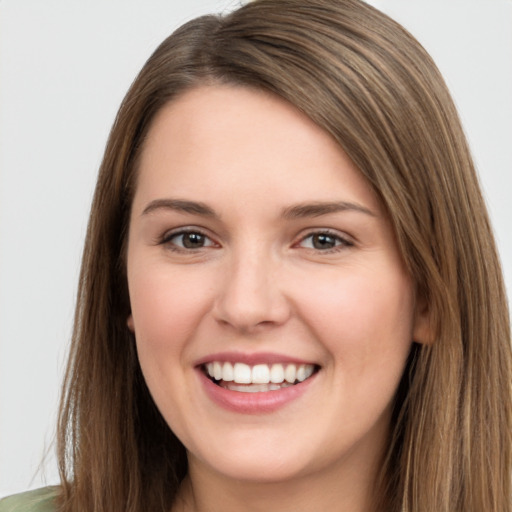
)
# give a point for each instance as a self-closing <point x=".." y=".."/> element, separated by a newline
<point x="259" y="374"/>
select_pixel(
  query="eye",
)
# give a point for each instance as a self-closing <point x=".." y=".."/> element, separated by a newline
<point x="324" y="241"/>
<point x="187" y="240"/>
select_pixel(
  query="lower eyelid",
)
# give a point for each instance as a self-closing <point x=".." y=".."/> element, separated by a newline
<point x="341" y="241"/>
<point x="167" y="240"/>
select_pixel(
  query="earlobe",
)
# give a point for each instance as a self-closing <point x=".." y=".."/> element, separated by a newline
<point x="129" y="323"/>
<point x="422" y="328"/>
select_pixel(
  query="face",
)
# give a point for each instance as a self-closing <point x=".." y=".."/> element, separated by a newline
<point x="272" y="313"/>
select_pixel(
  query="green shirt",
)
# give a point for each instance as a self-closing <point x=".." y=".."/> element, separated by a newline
<point x="40" y="500"/>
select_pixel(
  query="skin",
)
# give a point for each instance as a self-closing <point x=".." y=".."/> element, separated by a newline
<point x="258" y="282"/>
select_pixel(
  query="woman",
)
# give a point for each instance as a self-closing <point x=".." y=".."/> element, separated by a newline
<point x="287" y="284"/>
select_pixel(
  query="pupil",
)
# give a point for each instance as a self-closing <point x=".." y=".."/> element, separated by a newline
<point x="323" y="241"/>
<point x="193" y="240"/>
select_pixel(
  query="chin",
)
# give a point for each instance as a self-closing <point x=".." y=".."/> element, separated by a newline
<point x="275" y="461"/>
<point x="260" y="470"/>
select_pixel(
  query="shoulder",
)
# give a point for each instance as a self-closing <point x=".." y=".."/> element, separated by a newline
<point x="40" y="500"/>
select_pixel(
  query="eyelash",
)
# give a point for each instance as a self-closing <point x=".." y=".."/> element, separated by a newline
<point x="168" y="237"/>
<point x="340" y="242"/>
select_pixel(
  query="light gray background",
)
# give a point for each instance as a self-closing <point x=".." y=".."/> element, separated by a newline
<point x="65" y="66"/>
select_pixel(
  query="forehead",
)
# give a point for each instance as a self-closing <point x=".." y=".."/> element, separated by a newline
<point x="226" y="140"/>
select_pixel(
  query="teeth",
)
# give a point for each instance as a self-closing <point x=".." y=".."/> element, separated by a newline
<point x="304" y="371"/>
<point x="242" y="373"/>
<point x="217" y="370"/>
<point x="227" y="372"/>
<point x="277" y="373"/>
<point x="260" y="374"/>
<point x="254" y="388"/>
<point x="290" y="373"/>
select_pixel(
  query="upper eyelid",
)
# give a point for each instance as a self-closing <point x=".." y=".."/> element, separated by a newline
<point x="343" y="236"/>
<point x="327" y="231"/>
<point x="342" y="244"/>
<point x="171" y="233"/>
<point x="184" y="229"/>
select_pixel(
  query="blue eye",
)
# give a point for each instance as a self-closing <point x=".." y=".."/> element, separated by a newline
<point x="188" y="240"/>
<point x="324" y="241"/>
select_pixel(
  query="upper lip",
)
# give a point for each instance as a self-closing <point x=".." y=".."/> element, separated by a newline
<point x="251" y="359"/>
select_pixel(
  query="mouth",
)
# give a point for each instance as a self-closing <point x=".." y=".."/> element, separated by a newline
<point x="257" y="378"/>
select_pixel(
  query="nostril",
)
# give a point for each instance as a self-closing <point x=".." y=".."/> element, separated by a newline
<point x="251" y="300"/>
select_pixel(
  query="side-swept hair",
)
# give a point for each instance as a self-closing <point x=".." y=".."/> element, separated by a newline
<point x="366" y="81"/>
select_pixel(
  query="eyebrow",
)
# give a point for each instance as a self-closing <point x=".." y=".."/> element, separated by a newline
<point x="318" y="209"/>
<point x="180" y="205"/>
<point x="302" y="210"/>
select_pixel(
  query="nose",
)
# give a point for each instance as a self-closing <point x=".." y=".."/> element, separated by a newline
<point x="250" y="297"/>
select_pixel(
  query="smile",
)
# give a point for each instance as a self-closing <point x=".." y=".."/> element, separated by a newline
<point x="257" y="378"/>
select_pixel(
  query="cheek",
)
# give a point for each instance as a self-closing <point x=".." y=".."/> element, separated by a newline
<point x="166" y="309"/>
<point x="365" y="321"/>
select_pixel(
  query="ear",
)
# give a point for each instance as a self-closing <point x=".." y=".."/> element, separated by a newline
<point x="422" y="329"/>
<point x="129" y="323"/>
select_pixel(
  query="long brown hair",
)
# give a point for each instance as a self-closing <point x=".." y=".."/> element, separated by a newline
<point x="368" y="82"/>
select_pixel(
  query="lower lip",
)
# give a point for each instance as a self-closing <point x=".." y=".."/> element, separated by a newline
<point x="253" y="403"/>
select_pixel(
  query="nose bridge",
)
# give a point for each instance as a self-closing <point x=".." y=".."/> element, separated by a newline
<point x="250" y="293"/>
